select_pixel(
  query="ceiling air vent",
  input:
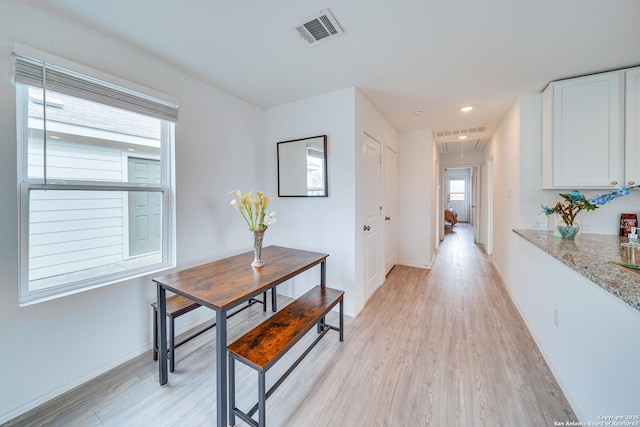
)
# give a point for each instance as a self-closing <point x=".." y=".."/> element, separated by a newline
<point x="318" y="27"/>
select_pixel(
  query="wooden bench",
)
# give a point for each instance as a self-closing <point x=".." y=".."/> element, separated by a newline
<point x="177" y="306"/>
<point x="264" y="345"/>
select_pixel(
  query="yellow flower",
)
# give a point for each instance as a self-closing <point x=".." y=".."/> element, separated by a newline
<point x="252" y="205"/>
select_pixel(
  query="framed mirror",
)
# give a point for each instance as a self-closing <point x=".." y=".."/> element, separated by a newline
<point x="302" y="167"/>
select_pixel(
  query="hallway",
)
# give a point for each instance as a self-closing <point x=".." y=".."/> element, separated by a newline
<point x="439" y="348"/>
<point x="494" y="369"/>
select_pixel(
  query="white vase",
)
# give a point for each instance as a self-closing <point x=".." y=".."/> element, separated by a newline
<point x="257" y="248"/>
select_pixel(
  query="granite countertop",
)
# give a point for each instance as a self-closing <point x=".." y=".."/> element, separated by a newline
<point x="592" y="255"/>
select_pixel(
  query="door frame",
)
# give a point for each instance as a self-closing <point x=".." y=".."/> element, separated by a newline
<point x="478" y="217"/>
<point x="466" y="203"/>
<point x="390" y="212"/>
<point x="380" y="256"/>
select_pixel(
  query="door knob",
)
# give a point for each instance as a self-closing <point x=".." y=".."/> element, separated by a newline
<point x="366" y="228"/>
<point x="387" y="218"/>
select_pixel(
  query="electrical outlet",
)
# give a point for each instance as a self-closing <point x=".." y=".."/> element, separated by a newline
<point x="542" y="223"/>
<point x="555" y="316"/>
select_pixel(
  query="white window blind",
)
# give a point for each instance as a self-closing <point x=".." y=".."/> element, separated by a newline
<point x="36" y="73"/>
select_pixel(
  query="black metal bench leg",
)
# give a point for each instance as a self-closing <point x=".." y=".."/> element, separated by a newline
<point x="319" y="326"/>
<point x="341" y="320"/>
<point x="232" y="390"/>
<point x="262" y="397"/>
<point x="264" y="301"/>
<point x="274" y="302"/>
<point x="172" y="345"/>
<point x="155" y="333"/>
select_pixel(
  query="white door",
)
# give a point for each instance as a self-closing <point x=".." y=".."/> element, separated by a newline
<point x="390" y="208"/>
<point x="144" y="208"/>
<point x="372" y="214"/>
<point x="458" y="196"/>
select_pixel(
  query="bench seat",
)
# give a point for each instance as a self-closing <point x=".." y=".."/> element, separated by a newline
<point x="264" y="345"/>
<point x="178" y="305"/>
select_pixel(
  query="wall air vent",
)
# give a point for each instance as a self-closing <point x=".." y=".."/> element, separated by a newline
<point x="318" y="27"/>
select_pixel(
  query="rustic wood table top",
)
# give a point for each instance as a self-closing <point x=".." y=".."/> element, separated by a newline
<point x="228" y="282"/>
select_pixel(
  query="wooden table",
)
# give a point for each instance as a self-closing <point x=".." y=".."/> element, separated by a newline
<point x="222" y="285"/>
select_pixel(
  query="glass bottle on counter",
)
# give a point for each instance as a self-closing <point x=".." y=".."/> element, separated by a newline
<point x="630" y="251"/>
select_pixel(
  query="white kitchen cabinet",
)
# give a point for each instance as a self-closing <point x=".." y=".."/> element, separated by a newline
<point x="583" y="132"/>
<point x="632" y="127"/>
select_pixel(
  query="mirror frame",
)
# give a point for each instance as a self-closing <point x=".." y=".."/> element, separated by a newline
<point x="282" y="166"/>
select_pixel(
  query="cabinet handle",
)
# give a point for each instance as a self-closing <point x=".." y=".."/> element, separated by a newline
<point x="632" y="183"/>
<point x="614" y="182"/>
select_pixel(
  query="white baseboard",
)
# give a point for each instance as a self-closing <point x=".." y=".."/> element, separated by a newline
<point x="411" y="264"/>
<point x="58" y="391"/>
<point x="53" y="393"/>
<point x="563" y="386"/>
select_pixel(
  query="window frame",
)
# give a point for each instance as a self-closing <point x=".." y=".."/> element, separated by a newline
<point x="27" y="184"/>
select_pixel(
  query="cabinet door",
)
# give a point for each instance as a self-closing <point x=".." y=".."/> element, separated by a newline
<point x="632" y="131"/>
<point x="586" y="131"/>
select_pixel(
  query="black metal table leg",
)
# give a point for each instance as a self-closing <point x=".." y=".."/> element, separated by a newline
<point x="161" y="317"/>
<point x="221" y="367"/>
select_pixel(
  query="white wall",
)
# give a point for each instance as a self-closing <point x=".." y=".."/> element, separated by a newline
<point x="593" y="350"/>
<point x="319" y="224"/>
<point x="417" y="198"/>
<point x="469" y="159"/>
<point x="326" y="224"/>
<point x="51" y="347"/>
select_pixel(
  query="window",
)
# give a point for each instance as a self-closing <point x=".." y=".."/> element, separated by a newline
<point x="315" y="171"/>
<point x="456" y="189"/>
<point x="96" y="181"/>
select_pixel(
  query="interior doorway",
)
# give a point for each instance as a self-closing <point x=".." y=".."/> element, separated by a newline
<point x="458" y="196"/>
<point x="459" y="193"/>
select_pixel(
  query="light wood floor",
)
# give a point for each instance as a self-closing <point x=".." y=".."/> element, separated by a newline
<point x="444" y="347"/>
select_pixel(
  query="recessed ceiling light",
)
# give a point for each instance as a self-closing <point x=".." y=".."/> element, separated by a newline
<point x="418" y="112"/>
<point x="467" y="108"/>
<point x="462" y="137"/>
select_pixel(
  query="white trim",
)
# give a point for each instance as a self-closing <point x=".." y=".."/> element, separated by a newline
<point x="410" y="264"/>
<point x="53" y="393"/>
<point x="27" y="301"/>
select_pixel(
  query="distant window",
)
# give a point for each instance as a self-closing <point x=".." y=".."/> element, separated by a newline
<point x="96" y="199"/>
<point x="315" y="171"/>
<point x="456" y="189"/>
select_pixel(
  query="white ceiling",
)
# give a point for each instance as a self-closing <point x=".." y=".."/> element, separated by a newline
<point x="406" y="55"/>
